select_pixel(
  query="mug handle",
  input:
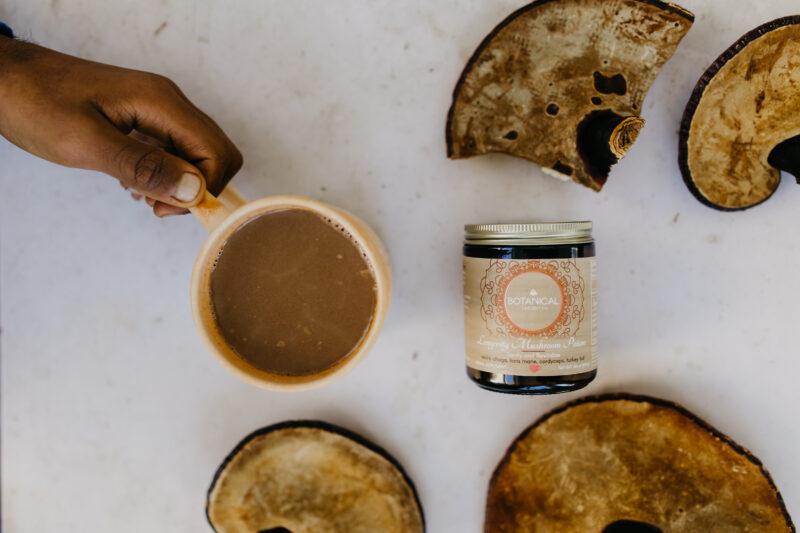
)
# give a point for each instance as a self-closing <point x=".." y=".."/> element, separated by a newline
<point x="211" y="210"/>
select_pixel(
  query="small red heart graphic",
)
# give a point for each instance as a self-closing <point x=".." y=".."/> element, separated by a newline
<point x="535" y="368"/>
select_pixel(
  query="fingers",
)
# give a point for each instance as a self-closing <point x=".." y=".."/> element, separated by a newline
<point x="162" y="112"/>
<point x="199" y="140"/>
<point x="165" y="210"/>
<point x="144" y="168"/>
<point x="161" y="210"/>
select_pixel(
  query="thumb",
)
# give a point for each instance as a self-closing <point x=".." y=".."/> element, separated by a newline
<point x="149" y="170"/>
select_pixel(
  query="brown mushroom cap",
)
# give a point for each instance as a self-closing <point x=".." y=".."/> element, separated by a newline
<point x="742" y="123"/>
<point x="561" y="83"/>
<point x="621" y="462"/>
<point x="311" y="477"/>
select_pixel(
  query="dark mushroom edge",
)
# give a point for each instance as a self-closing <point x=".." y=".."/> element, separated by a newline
<point x="599" y="398"/>
<point x="786" y="157"/>
<point x="603" y="138"/>
<point x="488" y="39"/>
<point x="776" y="158"/>
<point x="314" y="424"/>
<point x="597" y="159"/>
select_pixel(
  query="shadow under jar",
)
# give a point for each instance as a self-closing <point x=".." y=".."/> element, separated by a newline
<point x="530" y="315"/>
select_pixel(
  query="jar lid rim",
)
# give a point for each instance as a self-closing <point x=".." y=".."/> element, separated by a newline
<point x="568" y="231"/>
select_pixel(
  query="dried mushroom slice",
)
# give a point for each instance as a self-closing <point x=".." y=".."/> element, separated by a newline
<point x="741" y="126"/>
<point x="623" y="463"/>
<point x="561" y="83"/>
<point x="311" y="477"/>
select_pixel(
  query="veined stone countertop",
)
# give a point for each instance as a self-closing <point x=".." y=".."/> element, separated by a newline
<point x="114" y="415"/>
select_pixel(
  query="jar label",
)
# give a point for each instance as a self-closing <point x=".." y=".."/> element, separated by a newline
<point x="531" y="317"/>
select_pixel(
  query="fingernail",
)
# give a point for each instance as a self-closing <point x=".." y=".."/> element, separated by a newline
<point x="188" y="188"/>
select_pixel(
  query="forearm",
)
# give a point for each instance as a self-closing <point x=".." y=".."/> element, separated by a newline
<point x="13" y="55"/>
<point x="27" y="85"/>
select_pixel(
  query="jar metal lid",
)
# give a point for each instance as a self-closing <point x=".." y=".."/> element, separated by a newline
<point x="534" y="233"/>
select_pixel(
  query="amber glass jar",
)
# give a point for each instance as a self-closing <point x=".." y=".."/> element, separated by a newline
<point x="530" y="317"/>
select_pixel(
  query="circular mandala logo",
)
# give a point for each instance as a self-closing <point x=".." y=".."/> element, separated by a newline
<point x="532" y="297"/>
<point x="533" y="301"/>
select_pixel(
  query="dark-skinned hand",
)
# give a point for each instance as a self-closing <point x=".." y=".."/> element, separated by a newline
<point x="135" y="126"/>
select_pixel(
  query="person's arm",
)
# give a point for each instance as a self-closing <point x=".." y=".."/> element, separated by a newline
<point x="135" y="126"/>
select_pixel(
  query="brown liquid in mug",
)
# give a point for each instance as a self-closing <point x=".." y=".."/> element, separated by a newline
<point x="291" y="293"/>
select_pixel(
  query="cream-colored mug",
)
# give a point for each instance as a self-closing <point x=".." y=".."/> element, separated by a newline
<point x="224" y="215"/>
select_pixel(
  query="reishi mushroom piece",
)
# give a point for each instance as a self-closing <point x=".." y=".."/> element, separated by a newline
<point x="311" y="477"/>
<point x="741" y="126"/>
<point x="623" y="463"/>
<point x="561" y="83"/>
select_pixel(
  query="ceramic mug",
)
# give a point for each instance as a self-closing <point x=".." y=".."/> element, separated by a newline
<point x="224" y="215"/>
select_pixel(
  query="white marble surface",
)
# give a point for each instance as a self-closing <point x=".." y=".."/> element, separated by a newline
<point x="114" y="416"/>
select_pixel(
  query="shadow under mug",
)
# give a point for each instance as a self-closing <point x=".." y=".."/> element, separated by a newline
<point x="224" y="215"/>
